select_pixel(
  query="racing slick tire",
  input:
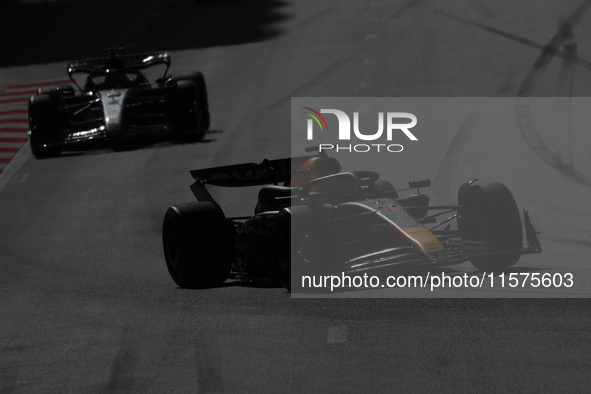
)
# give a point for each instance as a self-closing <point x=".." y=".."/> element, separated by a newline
<point x="44" y="126"/>
<point x="488" y="213"/>
<point x="296" y="225"/>
<point x="189" y="112"/>
<point x="198" y="244"/>
<point x="199" y="80"/>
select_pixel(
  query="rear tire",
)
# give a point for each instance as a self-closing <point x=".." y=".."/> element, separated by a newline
<point x="488" y="213"/>
<point x="198" y="244"/>
<point x="44" y="126"/>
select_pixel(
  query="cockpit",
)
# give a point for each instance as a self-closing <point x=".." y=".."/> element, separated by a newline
<point x="119" y="78"/>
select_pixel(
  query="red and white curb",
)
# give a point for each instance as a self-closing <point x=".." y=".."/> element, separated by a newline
<point x="14" y="117"/>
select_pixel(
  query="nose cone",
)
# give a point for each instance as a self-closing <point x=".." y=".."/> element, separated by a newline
<point x="113" y="103"/>
<point x="422" y="239"/>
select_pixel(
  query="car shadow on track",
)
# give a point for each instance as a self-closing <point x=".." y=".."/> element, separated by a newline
<point x="425" y="274"/>
<point x="237" y="282"/>
<point x="156" y="142"/>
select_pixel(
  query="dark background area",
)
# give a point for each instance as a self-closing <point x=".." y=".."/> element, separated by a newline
<point x="47" y="32"/>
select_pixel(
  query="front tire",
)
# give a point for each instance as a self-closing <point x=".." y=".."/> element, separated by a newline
<point x="199" y="80"/>
<point x="44" y="127"/>
<point x="488" y="213"/>
<point x="188" y="111"/>
<point x="198" y="244"/>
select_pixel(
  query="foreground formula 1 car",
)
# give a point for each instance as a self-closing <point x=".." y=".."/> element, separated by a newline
<point x="331" y="222"/>
<point x="117" y="102"/>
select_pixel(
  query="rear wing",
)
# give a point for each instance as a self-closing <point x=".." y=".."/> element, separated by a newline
<point x="138" y="61"/>
<point x="242" y="175"/>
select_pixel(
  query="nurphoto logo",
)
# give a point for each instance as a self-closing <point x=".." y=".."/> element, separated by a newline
<point x="344" y="132"/>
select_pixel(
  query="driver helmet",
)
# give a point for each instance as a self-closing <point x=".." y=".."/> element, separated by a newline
<point x="313" y="168"/>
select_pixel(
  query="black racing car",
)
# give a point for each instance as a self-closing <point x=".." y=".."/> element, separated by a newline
<point x="117" y="102"/>
<point x="329" y="222"/>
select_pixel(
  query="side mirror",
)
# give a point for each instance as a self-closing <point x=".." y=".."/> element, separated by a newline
<point x="419" y="184"/>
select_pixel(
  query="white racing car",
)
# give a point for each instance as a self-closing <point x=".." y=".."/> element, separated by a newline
<point x="117" y="102"/>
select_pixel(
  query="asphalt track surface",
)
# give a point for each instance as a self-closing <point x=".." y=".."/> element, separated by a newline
<point x="87" y="305"/>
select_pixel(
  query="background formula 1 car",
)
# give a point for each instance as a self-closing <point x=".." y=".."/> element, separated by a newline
<point x="117" y="102"/>
<point x="332" y="222"/>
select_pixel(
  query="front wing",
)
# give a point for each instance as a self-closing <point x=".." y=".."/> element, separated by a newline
<point x="456" y="251"/>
